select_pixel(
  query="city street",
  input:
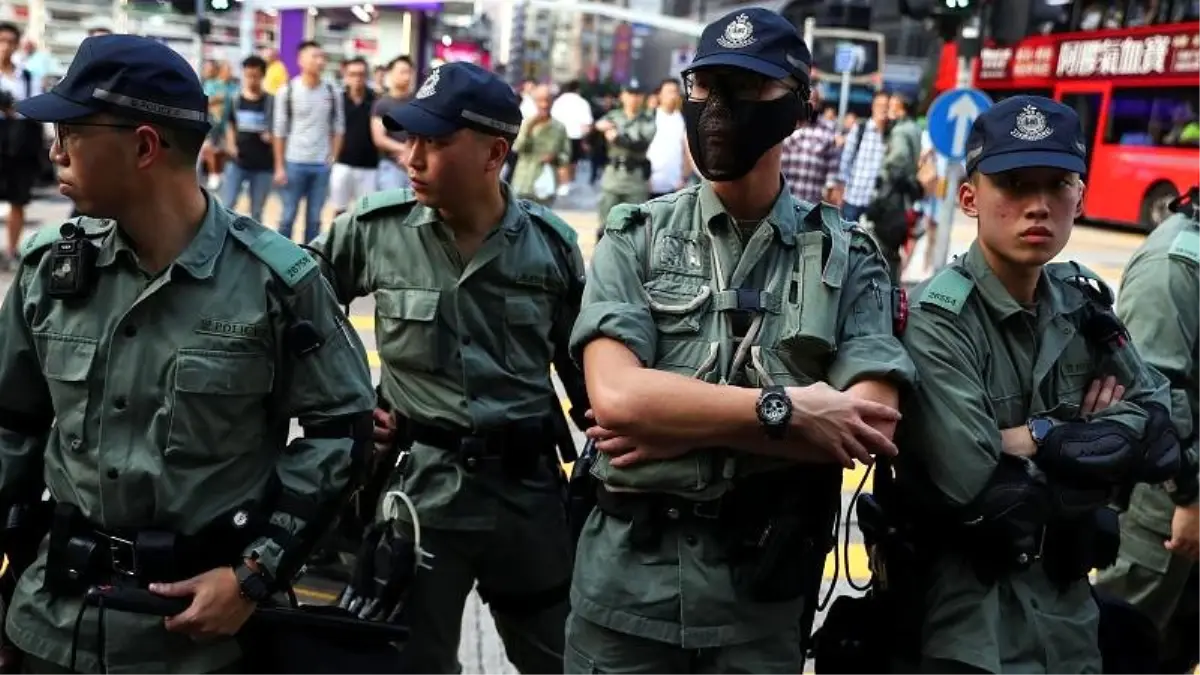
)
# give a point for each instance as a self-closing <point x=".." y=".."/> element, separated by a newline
<point x="1104" y="251"/>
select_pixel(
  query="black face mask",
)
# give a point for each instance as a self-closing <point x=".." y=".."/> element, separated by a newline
<point x="727" y="137"/>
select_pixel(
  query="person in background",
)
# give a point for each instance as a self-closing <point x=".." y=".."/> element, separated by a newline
<point x="528" y="105"/>
<point x="379" y="80"/>
<point x="576" y="115"/>
<point x="221" y="87"/>
<point x="21" y="140"/>
<point x="670" y="162"/>
<point x="862" y="155"/>
<point x="37" y="61"/>
<point x="277" y="73"/>
<point x="811" y="158"/>
<point x="354" y="173"/>
<point x="248" y="141"/>
<point x="392" y="171"/>
<point x="628" y="130"/>
<point x="309" y="125"/>
<point x="542" y="142"/>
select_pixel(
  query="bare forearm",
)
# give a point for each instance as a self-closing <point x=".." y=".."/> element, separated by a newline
<point x="279" y="145"/>
<point x="335" y="144"/>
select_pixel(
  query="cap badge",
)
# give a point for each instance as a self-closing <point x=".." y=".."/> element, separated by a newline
<point x="429" y="87"/>
<point x="739" y="33"/>
<point x="1031" y="125"/>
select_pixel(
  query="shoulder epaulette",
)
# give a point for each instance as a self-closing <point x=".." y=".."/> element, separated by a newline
<point x="1084" y="279"/>
<point x="948" y="289"/>
<point x="625" y="216"/>
<point x="550" y="221"/>
<point x="1186" y="245"/>
<point x="378" y="202"/>
<point x="287" y="259"/>
<point x="33" y="248"/>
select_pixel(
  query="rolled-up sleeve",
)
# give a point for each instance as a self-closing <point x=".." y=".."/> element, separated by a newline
<point x="867" y="346"/>
<point x="615" y="304"/>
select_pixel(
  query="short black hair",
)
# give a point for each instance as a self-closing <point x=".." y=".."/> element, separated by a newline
<point x="357" y="60"/>
<point x="306" y="44"/>
<point x="6" y="27"/>
<point x="905" y="102"/>
<point x="399" y="59"/>
<point x="184" y="144"/>
<point x="571" y="86"/>
<point x="669" y="80"/>
<point x="256" y="62"/>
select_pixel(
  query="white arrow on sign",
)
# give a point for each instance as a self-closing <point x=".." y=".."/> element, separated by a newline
<point x="962" y="113"/>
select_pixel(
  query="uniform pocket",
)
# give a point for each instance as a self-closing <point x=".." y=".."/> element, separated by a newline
<point x="677" y="308"/>
<point x="810" y="306"/>
<point x="527" y="320"/>
<point x="406" y="327"/>
<point x="219" y="407"/>
<point x="66" y="363"/>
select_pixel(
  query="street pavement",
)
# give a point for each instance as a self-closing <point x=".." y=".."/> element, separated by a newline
<point x="1104" y="251"/>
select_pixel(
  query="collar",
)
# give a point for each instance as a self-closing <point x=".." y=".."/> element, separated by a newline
<point x="513" y="220"/>
<point x="1052" y="298"/>
<point x="199" y="257"/>
<point x="782" y="216"/>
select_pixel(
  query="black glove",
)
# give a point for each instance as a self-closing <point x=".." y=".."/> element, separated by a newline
<point x="385" y="567"/>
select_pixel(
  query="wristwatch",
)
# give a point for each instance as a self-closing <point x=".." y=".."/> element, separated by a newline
<point x="1039" y="428"/>
<point x="254" y="584"/>
<point x="774" y="410"/>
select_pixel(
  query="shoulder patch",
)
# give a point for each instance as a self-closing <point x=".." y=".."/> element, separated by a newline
<point x="40" y="241"/>
<point x="551" y="220"/>
<point x="625" y="216"/>
<point x="948" y="289"/>
<point x="285" y="258"/>
<point x="386" y="200"/>
<point x="1186" y="246"/>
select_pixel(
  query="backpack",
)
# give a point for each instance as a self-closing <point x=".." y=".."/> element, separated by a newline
<point x="287" y="104"/>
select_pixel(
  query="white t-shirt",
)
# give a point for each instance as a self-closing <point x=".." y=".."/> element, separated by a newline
<point x="528" y="106"/>
<point x="666" y="152"/>
<point x="574" y="113"/>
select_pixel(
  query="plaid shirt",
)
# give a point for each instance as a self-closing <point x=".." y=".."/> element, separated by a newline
<point x="860" y="178"/>
<point x="811" y="160"/>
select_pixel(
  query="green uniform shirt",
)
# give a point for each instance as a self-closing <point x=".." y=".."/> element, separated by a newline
<point x="464" y="344"/>
<point x="1159" y="307"/>
<point x="532" y="146"/>
<point x="663" y="282"/>
<point x="987" y="363"/>
<point x="628" y="150"/>
<point x="171" y="396"/>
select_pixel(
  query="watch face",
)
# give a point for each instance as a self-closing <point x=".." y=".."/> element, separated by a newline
<point x="774" y="409"/>
<point x="1040" y="428"/>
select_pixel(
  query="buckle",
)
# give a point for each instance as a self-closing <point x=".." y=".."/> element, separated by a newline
<point x="471" y="450"/>
<point x="123" y="556"/>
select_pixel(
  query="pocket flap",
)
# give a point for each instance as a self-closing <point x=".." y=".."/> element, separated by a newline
<point x="67" y="359"/>
<point x="410" y="304"/>
<point x="202" y="371"/>
<point x="521" y="311"/>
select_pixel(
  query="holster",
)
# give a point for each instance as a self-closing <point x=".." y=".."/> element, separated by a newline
<point x="581" y="492"/>
<point x="1075" y="547"/>
<point x="521" y="447"/>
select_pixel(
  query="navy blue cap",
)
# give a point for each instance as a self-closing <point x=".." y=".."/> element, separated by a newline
<point x="1026" y="131"/>
<point x="125" y="75"/>
<point x="459" y="95"/>
<point x="756" y="39"/>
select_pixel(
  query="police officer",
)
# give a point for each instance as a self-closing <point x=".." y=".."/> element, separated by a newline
<point x="151" y="358"/>
<point x="1159" y="533"/>
<point x="473" y="289"/>
<point x="738" y="346"/>
<point x="628" y="131"/>
<point x="1032" y="409"/>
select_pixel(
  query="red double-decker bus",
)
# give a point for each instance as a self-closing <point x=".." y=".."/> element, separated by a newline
<point x="1137" y="93"/>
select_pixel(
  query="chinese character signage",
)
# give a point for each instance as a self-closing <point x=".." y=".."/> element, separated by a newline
<point x="1046" y="59"/>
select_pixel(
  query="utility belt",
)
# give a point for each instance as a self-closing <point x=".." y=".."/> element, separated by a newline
<point x="776" y="528"/>
<point x="631" y="164"/>
<point x="81" y="554"/>
<point x="521" y="447"/>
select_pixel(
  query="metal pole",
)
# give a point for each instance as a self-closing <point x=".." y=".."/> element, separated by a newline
<point x="844" y="98"/>
<point x="949" y="205"/>
<point x="198" y="42"/>
<point x="246" y="28"/>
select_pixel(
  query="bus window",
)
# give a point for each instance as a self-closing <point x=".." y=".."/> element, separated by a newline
<point x="1087" y="106"/>
<point x="1160" y="117"/>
